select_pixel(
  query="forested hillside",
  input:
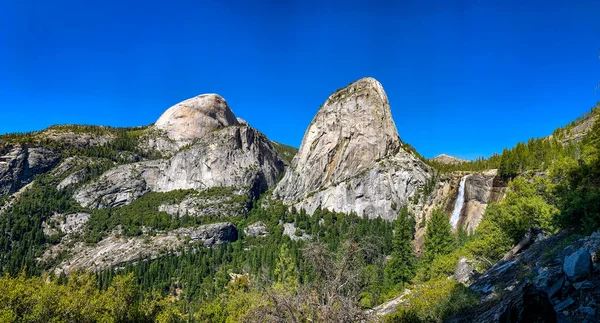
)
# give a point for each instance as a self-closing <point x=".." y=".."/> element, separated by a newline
<point x="284" y="264"/>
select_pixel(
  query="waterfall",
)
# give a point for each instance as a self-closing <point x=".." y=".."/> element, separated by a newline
<point x="460" y="200"/>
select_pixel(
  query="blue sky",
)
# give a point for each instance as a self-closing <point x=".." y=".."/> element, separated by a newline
<point x="465" y="78"/>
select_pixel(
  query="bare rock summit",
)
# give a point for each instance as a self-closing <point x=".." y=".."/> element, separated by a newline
<point x="195" y="117"/>
<point x="351" y="158"/>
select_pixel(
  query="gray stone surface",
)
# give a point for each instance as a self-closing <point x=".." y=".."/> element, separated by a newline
<point x="19" y="164"/>
<point x="114" y="250"/>
<point x="449" y="160"/>
<point x="256" y="230"/>
<point x="351" y="158"/>
<point x="195" y="117"/>
<point x="239" y="157"/>
<point x="464" y="271"/>
<point x="227" y="205"/>
<point x="578" y="266"/>
<point x="65" y="223"/>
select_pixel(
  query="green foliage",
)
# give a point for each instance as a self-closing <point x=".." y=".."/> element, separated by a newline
<point x="286" y="152"/>
<point x="144" y="212"/>
<point x="435" y="301"/>
<point x="121" y="149"/>
<point x="285" y="269"/>
<point x="400" y="268"/>
<point x="35" y="300"/>
<point x="22" y="238"/>
<point x="578" y="189"/>
<point x="438" y="235"/>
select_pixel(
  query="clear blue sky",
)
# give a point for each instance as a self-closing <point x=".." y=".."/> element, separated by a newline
<point x="465" y="78"/>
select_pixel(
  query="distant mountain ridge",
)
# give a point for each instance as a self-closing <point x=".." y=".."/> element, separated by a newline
<point x="447" y="159"/>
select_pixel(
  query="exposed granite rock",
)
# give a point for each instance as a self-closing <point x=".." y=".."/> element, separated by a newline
<point x="119" y="186"/>
<point x="242" y="122"/>
<point x="113" y="250"/>
<point x="19" y="164"/>
<point x="256" y="230"/>
<point x="73" y="170"/>
<point x="390" y="306"/>
<point x="351" y="158"/>
<point x="481" y="188"/>
<point x="577" y="133"/>
<point x="195" y="117"/>
<point x="464" y="271"/>
<point x="449" y="160"/>
<point x="238" y="157"/>
<point x="65" y="223"/>
<point x="226" y="205"/>
<point x="578" y="266"/>
<point x="289" y="229"/>
<point x="13" y="198"/>
<point x="534" y="283"/>
<point x="77" y="139"/>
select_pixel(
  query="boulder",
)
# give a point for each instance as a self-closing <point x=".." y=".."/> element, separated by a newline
<point x="578" y="266"/>
<point x="464" y="271"/>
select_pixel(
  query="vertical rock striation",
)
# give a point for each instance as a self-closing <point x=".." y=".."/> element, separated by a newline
<point x="351" y="158"/>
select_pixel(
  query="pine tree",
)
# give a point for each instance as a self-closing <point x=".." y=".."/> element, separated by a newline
<point x="285" y="269"/>
<point x="438" y="236"/>
<point x="400" y="268"/>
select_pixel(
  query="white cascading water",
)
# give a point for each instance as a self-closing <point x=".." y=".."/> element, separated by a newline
<point x="459" y="203"/>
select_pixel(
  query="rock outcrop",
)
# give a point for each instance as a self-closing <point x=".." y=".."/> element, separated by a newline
<point x="227" y="204"/>
<point x="351" y="158"/>
<point x="238" y="157"/>
<point x="480" y="190"/>
<point x="544" y="282"/>
<point x="578" y="266"/>
<point x="113" y="250"/>
<point x="65" y="223"/>
<point x="256" y="230"/>
<point x="19" y="164"/>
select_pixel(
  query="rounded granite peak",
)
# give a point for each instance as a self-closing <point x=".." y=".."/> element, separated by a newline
<point x="195" y="117"/>
<point x="352" y="131"/>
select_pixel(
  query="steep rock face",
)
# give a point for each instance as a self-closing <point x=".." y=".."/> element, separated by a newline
<point x="239" y="157"/>
<point x="351" y="158"/>
<point x="480" y="189"/>
<point x="19" y="164"/>
<point x="195" y="117"/>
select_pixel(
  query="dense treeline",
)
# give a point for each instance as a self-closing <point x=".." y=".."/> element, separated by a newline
<point x="79" y="300"/>
<point x="22" y="238"/>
